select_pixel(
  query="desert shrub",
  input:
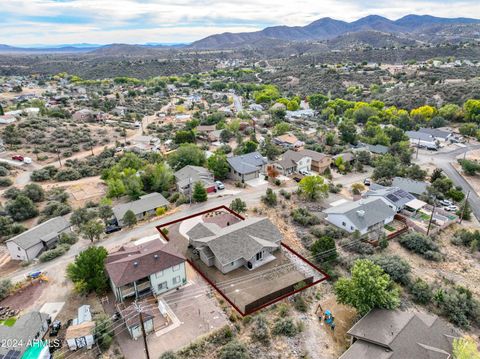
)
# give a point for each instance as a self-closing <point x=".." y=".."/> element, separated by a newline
<point x="324" y="249"/>
<point x="12" y="193"/>
<point x="168" y="355"/>
<point x="300" y="304"/>
<point x="467" y="238"/>
<point x="54" y="253"/>
<point x="5" y="182"/>
<point x="421" y="244"/>
<point x="234" y="350"/>
<point x="357" y="246"/>
<point x="5" y="288"/>
<point x="396" y="267"/>
<point x="304" y="217"/>
<point x="286" y="327"/>
<point x="260" y="329"/>
<point x="285" y="194"/>
<point x="421" y="291"/>
<point x="3" y="171"/>
<point x="55" y="209"/>
<point x="68" y="238"/>
<point x="460" y="307"/>
<point x="270" y="198"/>
<point x="328" y="231"/>
<point x="68" y="174"/>
<point x="44" y="174"/>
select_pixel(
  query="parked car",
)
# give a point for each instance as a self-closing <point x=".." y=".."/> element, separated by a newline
<point x="451" y="208"/>
<point x="112" y="228"/>
<point x="304" y="172"/>
<point x="219" y="185"/>
<point x="367" y="182"/>
<point x="446" y="203"/>
<point x="56" y="325"/>
<point x="17" y="158"/>
<point x="27" y="160"/>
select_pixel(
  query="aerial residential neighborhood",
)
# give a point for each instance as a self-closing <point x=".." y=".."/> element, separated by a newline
<point x="303" y="191"/>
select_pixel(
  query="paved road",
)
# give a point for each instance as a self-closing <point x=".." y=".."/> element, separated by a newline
<point x="444" y="161"/>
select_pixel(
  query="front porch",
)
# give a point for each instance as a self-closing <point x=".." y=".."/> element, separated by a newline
<point x="137" y="289"/>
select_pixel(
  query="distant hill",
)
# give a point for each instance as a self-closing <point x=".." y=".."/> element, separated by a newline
<point x="327" y="29"/>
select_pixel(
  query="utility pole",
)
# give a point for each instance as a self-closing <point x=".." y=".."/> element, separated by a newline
<point x="431" y="217"/>
<point x="140" y="317"/>
<point x="418" y="148"/>
<point x="190" y="189"/>
<point x="464" y="207"/>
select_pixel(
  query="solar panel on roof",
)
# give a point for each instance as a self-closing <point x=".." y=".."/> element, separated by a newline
<point x="11" y="354"/>
<point x="392" y="197"/>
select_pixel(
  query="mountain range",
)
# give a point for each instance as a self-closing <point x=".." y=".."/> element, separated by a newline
<point x="373" y="30"/>
<point x="327" y="28"/>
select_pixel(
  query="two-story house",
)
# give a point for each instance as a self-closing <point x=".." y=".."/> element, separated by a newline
<point x="140" y="270"/>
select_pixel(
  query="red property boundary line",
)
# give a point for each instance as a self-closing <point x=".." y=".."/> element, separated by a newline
<point x="210" y="282"/>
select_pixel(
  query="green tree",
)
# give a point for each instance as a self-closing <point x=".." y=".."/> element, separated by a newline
<point x="281" y="128"/>
<point x="451" y="112"/>
<point x="369" y="287"/>
<point x="129" y="218"/>
<point x="104" y="332"/>
<point x="133" y="186"/>
<point x="92" y="230"/>
<point x="465" y="348"/>
<point x="324" y="249"/>
<point x="157" y="178"/>
<point x="105" y="212"/>
<point x="21" y="208"/>
<point x="81" y="216"/>
<point x="199" y="193"/>
<point x="5" y="287"/>
<point x="1" y="111"/>
<point x="218" y="165"/>
<point x="116" y="188"/>
<point x="313" y="187"/>
<point x="238" y="205"/>
<point x="317" y="101"/>
<point x="247" y="147"/>
<point x="472" y="110"/>
<point x="186" y="154"/>
<point x="234" y="350"/>
<point x="88" y="270"/>
<point x="184" y="137"/>
<point x="386" y="166"/>
<point x="348" y="131"/>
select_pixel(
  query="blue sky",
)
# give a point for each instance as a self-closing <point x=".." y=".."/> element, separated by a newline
<point x="27" y="22"/>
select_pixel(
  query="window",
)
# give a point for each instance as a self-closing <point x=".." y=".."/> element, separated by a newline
<point x="344" y="224"/>
<point x="159" y="274"/>
<point x="176" y="279"/>
<point x="175" y="268"/>
<point x="162" y="286"/>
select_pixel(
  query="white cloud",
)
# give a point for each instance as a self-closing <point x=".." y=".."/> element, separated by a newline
<point x="186" y="20"/>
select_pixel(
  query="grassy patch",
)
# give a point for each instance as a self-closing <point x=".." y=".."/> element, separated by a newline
<point x="8" y="322"/>
<point x="389" y="228"/>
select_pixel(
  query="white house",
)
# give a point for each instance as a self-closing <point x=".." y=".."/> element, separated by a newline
<point x="363" y="216"/>
<point x="29" y="244"/>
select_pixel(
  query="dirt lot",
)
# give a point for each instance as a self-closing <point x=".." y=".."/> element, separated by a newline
<point x="25" y="297"/>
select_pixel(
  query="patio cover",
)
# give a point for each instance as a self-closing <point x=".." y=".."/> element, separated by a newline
<point x="415" y="204"/>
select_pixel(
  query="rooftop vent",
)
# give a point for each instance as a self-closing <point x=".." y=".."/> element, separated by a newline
<point x="361" y="213"/>
<point x="135" y="264"/>
<point x="155" y="256"/>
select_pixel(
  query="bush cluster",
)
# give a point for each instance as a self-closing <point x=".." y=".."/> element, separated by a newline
<point x="421" y="244"/>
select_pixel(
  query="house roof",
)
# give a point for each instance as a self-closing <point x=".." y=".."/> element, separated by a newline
<point x="363" y="213"/>
<point x="131" y="263"/>
<point x="193" y="174"/>
<point x="202" y="230"/>
<point x="132" y="319"/>
<point x="435" y="132"/>
<point x="409" y="185"/>
<point x="402" y="335"/>
<point x="378" y="149"/>
<point x="205" y="128"/>
<point x="25" y="329"/>
<point x="247" y="163"/>
<point x="43" y="232"/>
<point x="291" y="158"/>
<point x="396" y="196"/>
<point x="80" y="330"/>
<point x="145" y="203"/>
<point x="241" y="240"/>
<point x="314" y="155"/>
<point x="416" y="135"/>
<point x="346" y="156"/>
<point x="287" y="138"/>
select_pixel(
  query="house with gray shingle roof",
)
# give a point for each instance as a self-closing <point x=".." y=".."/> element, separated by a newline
<point x="364" y="216"/>
<point x="189" y="175"/>
<point x="248" y="243"/>
<point x="396" y="198"/>
<point x="411" y="186"/>
<point x="30" y="244"/>
<point x="142" y="207"/>
<point x="246" y="167"/>
<point x="394" y="334"/>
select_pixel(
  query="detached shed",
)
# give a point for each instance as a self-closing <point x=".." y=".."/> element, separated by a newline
<point x="80" y="335"/>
